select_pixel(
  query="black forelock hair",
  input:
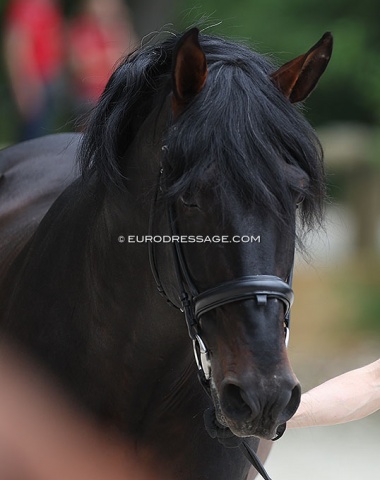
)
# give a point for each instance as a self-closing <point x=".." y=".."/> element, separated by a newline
<point x="240" y="123"/>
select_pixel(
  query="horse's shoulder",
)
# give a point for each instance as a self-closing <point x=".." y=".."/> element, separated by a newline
<point x="32" y="175"/>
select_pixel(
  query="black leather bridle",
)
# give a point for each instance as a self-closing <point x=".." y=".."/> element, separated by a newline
<point x="194" y="304"/>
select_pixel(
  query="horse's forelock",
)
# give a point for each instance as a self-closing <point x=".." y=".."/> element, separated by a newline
<point x="240" y="122"/>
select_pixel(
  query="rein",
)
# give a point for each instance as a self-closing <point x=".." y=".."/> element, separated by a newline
<point x="194" y="304"/>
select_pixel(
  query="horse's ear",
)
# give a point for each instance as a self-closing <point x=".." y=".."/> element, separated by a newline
<point x="189" y="70"/>
<point x="298" y="78"/>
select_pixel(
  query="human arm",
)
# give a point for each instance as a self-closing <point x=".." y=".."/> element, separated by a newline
<point x="350" y="396"/>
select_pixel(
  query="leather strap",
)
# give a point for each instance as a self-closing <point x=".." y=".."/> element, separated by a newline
<point x="251" y="456"/>
<point x="259" y="286"/>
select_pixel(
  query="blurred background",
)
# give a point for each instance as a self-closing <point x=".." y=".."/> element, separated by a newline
<point x="56" y="58"/>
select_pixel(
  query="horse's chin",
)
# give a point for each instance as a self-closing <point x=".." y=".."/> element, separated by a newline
<point x="244" y="430"/>
<point x="259" y="432"/>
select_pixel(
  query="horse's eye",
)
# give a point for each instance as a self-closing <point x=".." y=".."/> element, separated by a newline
<point x="300" y="199"/>
<point x="189" y="203"/>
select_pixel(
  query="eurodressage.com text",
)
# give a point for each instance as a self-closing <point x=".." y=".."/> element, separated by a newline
<point x="189" y="239"/>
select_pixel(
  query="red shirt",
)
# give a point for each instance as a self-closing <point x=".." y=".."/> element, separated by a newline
<point x="94" y="51"/>
<point x="42" y="21"/>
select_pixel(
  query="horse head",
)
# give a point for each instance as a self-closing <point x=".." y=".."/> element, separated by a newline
<point x="238" y="160"/>
<point x="212" y="128"/>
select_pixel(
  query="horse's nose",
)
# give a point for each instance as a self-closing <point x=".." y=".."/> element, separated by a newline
<point x="244" y="403"/>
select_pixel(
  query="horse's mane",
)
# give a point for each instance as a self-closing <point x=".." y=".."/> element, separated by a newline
<point x="240" y="123"/>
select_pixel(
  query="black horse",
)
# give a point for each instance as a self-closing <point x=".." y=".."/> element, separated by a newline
<point x="192" y="166"/>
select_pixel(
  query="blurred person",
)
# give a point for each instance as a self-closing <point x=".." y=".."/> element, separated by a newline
<point x="97" y="38"/>
<point x="33" y="43"/>
<point x="347" y="397"/>
<point x="44" y="435"/>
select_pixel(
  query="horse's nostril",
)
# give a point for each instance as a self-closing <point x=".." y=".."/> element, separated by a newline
<point x="293" y="403"/>
<point x="235" y="403"/>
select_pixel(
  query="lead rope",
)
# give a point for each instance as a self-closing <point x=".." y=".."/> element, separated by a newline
<point x="253" y="459"/>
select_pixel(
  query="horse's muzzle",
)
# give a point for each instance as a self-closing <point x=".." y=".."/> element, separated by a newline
<point x="250" y="411"/>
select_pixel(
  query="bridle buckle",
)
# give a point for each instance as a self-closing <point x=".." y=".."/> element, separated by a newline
<point x="287" y="335"/>
<point x="202" y="357"/>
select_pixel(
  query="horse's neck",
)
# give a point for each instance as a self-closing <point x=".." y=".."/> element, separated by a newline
<point x="86" y="306"/>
